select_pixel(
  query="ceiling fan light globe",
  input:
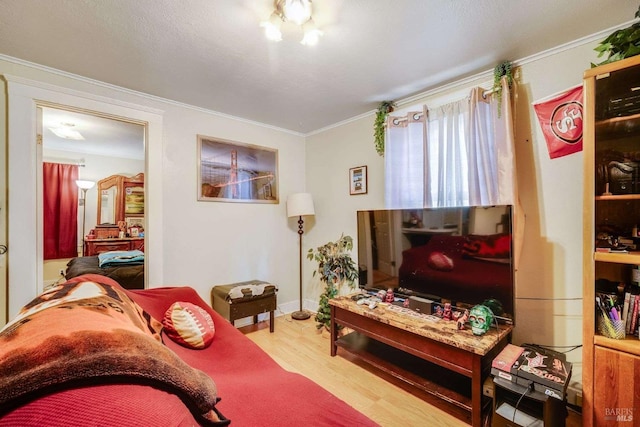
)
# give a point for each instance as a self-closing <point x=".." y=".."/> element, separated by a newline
<point x="311" y="37"/>
<point x="311" y="33"/>
<point x="297" y="11"/>
<point x="272" y="30"/>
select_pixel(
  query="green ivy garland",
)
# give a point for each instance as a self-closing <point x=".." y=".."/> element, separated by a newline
<point x="502" y="69"/>
<point x="335" y="267"/>
<point x="383" y="111"/>
<point x="620" y="44"/>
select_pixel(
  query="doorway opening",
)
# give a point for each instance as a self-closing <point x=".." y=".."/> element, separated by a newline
<point x="96" y="147"/>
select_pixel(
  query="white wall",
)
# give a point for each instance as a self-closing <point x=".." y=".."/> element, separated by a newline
<point x="549" y="280"/>
<point x="208" y="243"/>
<point x="198" y="243"/>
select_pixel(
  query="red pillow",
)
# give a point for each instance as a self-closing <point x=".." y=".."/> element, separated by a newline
<point x="439" y="261"/>
<point x="189" y="325"/>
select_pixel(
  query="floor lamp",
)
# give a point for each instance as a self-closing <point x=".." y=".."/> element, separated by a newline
<point x="300" y="204"/>
<point x="84" y="186"/>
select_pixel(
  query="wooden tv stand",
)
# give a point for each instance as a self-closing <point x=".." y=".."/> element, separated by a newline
<point x="442" y="365"/>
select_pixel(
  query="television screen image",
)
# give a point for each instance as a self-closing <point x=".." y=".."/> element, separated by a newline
<point x="460" y="255"/>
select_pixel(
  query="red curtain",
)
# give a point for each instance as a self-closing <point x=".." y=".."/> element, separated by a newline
<point x="60" y="195"/>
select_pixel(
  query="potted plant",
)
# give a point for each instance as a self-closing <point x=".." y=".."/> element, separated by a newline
<point x="382" y="112"/>
<point x="336" y="268"/>
<point x="620" y="44"/>
<point x="502" y="69"/>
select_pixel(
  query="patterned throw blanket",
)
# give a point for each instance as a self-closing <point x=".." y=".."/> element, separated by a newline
<point x="89" y="333"/>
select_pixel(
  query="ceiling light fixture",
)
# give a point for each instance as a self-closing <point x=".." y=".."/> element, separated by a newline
<point x="66" y="131"/>
<point x="297" y="12"/>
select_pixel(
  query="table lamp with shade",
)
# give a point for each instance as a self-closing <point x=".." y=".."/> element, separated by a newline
<point x="300" y="204"/>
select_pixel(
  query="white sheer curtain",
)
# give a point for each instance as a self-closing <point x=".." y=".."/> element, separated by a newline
<point x="446" y="175"/>
<point x="463" y="156"/>
<point x="491" y="159"/>
<point x="404" y="158"/>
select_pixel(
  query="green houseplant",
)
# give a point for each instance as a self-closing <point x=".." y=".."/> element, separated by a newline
<point x="502" y="69"/>
<point x="382" y="112"/>
<point x="336" y="268"/>
<point x="620" y="44"/>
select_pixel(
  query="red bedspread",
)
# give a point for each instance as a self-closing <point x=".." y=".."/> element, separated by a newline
<point x="254" y="389"/>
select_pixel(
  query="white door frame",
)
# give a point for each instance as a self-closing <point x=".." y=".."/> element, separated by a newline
<point x="25" y="255"/>
<point x="4" y="303"/>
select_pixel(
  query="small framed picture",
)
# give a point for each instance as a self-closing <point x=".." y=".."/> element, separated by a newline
<point x="358" y="180"/>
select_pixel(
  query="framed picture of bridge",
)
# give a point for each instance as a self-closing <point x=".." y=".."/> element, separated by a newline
<point x="230" y="171"/>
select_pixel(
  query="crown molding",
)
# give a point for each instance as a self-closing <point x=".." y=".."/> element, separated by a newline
<point x="483" y="75"/>
<point x="123" y="90"/>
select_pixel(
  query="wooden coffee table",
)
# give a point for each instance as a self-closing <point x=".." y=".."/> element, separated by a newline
<point x="443" y="365"/>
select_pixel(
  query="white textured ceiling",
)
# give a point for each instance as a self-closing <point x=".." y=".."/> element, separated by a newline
<point x="213" y="54"/>
<point x="102" y="136"/>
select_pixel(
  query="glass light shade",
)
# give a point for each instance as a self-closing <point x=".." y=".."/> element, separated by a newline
<point x="272" y="28"/>
<point x="297" y="11"/>
<point x="300" y="204"/>
<point x="67" y="132"/>
<point x="311" y="33"/>
<point x="84" y="184"/>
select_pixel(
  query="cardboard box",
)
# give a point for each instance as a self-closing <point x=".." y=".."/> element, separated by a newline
<point x="507" y="357"/>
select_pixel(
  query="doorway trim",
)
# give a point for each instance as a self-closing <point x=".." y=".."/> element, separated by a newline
<point x="24" y="262"/>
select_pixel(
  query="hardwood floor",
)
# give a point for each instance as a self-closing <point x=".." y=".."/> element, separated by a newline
<point x="298" y="347"/>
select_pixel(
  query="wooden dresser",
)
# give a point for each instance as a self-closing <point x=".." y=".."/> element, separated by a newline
<point x="97" y="246"/>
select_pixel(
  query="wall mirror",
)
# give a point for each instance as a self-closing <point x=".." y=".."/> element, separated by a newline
<point x="120" y="198"/>
<point x="107" y="204"/>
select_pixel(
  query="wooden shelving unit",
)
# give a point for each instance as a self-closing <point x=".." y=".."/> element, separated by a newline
<point x="611" y="366"/>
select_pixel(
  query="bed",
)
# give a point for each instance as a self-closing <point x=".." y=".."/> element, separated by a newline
<point x="129" y="276"/>
<point x="234" y="379"/>
<point x="466" y="269"/>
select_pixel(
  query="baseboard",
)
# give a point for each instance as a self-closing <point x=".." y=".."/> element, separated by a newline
<point x="282" y="310"/>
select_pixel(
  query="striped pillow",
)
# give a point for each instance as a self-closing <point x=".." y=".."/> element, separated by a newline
<point x="189" y="325"/>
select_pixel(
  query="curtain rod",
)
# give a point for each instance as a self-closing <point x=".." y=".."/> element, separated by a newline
<point x="397" y="120"/>
<point x="416" y="116"/>
<point x="487" y="92"/>
<point x="63" y="161"/>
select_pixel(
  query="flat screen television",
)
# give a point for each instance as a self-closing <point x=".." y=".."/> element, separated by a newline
<point x="458" y="255"/>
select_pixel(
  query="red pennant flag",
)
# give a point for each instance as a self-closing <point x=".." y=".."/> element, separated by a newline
<point x="560" y="118"/>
